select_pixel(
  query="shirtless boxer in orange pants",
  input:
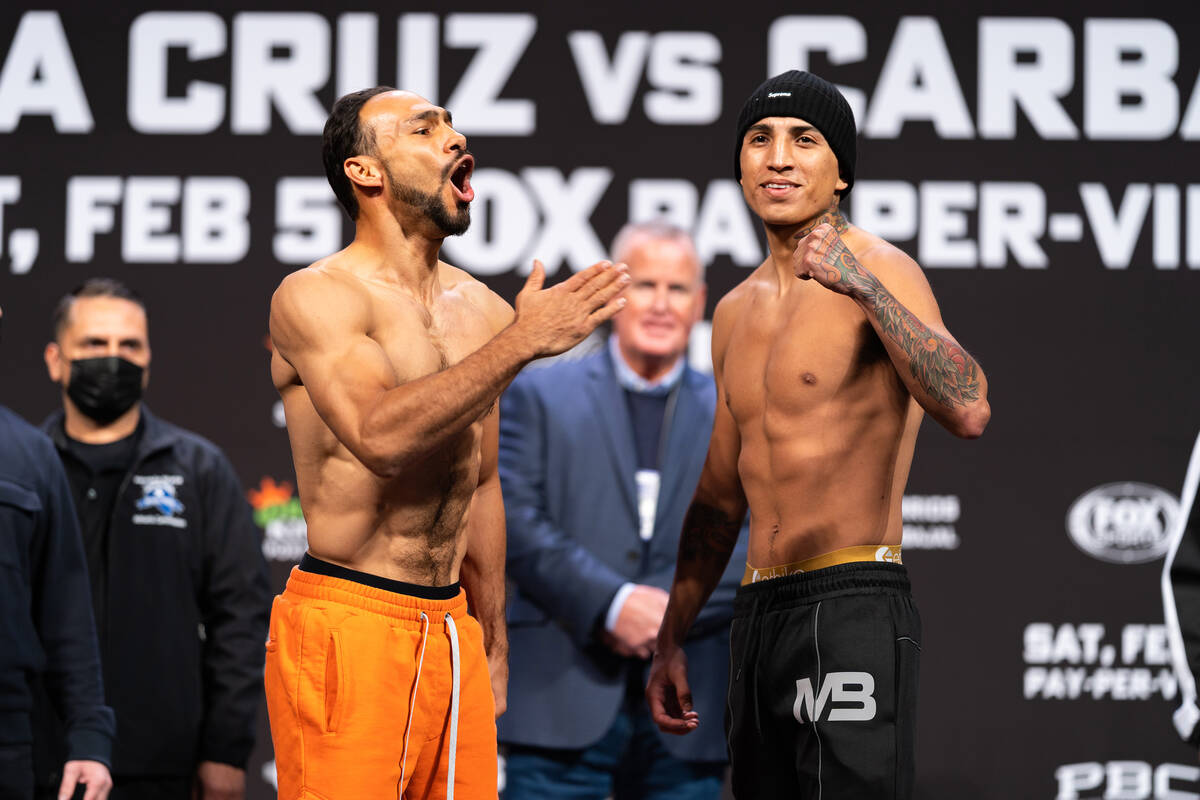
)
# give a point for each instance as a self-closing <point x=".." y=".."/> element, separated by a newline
<point x="380" y="684"/>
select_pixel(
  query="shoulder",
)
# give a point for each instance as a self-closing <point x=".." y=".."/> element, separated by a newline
<point x="202" y="461"/>
<point x="741" y="296"/>
<point x="880" y="256"/>
<point x="14" y="425"/>
<point x="314" y="306"/>
<point x="188" y="448"/>
<point x="898" y="272"/>
<point x="735" y="303"/>
<point x="185" y="441"/>
<point x="497" y="311"/>
<point x="316" y="277"/>
<point x="25" y="450"/>
<point x="31" y="472"/>
<point x="318" y="290"/>
<point x="728" y="307"/>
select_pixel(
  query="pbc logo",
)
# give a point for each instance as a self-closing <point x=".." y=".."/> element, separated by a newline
<point x="1123" y="523"/>
<point x="1128" y="780"/>
<point x="838" y="687"/>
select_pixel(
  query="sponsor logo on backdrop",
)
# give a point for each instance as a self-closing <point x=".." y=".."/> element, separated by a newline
<point x="277" y="512"/>
<point x="1127" y="780"/>
<point x="1123" y="523"/>
<point x="930" y="520"/>
<point x="1088" y="660"/>
<point x="158" y="497"/>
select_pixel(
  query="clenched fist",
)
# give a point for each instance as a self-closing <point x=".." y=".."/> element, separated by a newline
<point x="823" y="256"/>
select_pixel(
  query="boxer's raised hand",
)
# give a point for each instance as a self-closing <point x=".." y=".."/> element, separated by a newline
<point x="556" y="319"/>
<point x="822" y="256"/>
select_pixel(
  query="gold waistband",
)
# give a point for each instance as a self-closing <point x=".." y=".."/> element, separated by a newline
<point x="846" y="555"/>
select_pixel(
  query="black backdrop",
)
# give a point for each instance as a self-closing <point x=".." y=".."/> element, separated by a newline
<point x="1041" y="167"/>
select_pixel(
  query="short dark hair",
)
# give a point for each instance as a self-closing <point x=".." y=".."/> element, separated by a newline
<point x="94" y="287"/>
<point x="344" y="137"/>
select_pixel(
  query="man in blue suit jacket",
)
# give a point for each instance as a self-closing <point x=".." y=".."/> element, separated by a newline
<point x="598" y="461"/>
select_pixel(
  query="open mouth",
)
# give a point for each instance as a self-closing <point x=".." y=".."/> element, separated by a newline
<point x="460" y="179"/>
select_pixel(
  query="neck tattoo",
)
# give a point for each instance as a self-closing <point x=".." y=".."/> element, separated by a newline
<point x="833" y="215"/>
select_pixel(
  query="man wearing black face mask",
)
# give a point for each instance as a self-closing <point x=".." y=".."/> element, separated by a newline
<point x="178" y="579"/>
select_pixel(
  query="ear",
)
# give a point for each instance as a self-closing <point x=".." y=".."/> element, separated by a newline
<point x="363" y="171"/>
<point x="741" y="167"/>
<point x="54" y="365"/>
<point x="701" y="302"/>
<point x="841" y="185"/>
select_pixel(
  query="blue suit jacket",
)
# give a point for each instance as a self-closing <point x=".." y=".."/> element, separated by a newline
<point x="567" y="466"/>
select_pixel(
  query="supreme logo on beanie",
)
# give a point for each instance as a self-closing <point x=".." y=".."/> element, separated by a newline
<point x="812" y="99"/>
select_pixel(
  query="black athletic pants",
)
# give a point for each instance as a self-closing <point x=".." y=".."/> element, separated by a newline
<point x="823" y="685"/>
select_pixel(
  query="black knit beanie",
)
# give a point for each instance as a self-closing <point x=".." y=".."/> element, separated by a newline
<point x="812" y="99"/>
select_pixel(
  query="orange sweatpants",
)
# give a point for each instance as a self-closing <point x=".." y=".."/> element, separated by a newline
<point x="343" y="661"/>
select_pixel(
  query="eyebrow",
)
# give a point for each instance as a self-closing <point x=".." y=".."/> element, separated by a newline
<point x="432" y="115"/>
<point x="126" y="341"/>
<point x="795" y="130"/>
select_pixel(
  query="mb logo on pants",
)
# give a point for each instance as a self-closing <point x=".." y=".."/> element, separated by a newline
<point x="838" y="687"/>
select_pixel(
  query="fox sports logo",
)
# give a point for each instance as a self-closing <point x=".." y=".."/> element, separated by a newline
<point x="1123" y="523"/>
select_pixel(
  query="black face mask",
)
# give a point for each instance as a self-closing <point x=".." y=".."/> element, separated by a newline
<point x="105" y="388"/>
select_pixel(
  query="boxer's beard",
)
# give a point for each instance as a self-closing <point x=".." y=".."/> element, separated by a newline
<point x="431" y="205"/>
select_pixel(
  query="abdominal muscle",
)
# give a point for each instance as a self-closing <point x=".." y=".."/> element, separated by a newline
<point x="410" y="527"/>
<point x="826" y="480"/>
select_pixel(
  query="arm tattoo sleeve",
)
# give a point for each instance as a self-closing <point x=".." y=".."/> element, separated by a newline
<point x="943" y="369"/>
<point x="707" y="532"/>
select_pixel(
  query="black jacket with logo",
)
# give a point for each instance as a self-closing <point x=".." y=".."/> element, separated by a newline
<point x="186" y="606"/>
<point x="45" y="609"/>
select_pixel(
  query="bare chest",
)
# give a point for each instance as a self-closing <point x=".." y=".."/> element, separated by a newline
<point x="796" y="354"/>
<point x="420" y="341"/>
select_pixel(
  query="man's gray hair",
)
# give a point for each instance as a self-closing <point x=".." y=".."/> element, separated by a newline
<point x="658" y="229"/>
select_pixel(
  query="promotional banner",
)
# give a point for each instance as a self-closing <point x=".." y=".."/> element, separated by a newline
<point x="1039" y="162"/>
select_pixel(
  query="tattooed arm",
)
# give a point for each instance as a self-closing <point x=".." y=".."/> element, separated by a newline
<point x="710" y="532"/>
<point x="941" y="375"/>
